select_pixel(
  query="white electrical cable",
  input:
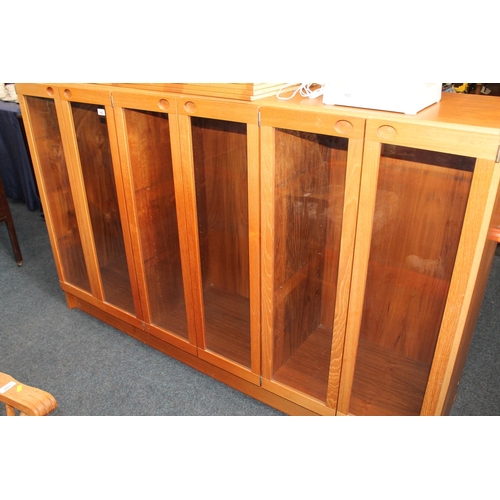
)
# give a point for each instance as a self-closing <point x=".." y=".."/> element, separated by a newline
<point x="305" y="90"/>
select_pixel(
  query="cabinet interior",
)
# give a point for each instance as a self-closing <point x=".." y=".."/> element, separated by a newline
<point x="91" y="130"/>
<point x="151" y="170"/>
<point x="221" y="178"/>
<point x="419" y="209"/>
<point x="56" y="184"/>
<point x="309" y="193"/>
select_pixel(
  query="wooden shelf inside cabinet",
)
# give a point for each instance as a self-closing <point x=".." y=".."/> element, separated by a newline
<point x="307" y="369"/>
<point x="118" y="283"/>
<point x="229" y="316"/>
<point x="401" y="393"/>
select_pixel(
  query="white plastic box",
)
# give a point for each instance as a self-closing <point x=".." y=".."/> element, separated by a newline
<point x="408" y="98"/>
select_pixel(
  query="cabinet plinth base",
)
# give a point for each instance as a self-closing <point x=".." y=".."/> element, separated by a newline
<point x="212" y="371"/>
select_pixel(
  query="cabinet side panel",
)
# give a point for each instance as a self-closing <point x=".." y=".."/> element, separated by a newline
<point x="462" y="289"/>
<point x="470" y="325"/>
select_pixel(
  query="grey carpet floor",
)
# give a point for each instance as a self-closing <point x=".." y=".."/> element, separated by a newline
<point x="94" y="369"/>
<point x="90" y="367"/>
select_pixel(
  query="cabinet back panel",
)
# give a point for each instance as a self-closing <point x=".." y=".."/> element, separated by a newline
<point x="220" y="161"/>
<point x="417" y="224"/>
<point x="150" y="154"/>
<point x="57" y="189"/>
<point x="97" y="169"/>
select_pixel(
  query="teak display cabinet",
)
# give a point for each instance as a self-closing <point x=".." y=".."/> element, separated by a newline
<point x="324" y="260"/>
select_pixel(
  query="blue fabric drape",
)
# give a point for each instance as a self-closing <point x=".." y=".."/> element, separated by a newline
<point x="15" y="166"/>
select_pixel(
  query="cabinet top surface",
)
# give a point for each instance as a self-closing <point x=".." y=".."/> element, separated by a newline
<point x="461" y="110"/>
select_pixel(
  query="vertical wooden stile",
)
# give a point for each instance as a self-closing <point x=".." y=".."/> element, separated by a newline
<point x="254" y="204"/>
<point x="342" y="296"/>
<point x="267" y="235"/>
<point x="189" y="195"/>
<point x="368" y="189"/>
<point x="183" y="186"/>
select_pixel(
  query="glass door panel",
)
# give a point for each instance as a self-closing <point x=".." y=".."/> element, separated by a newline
<point x="97" y="169"/>
<point x="420" y="204"/>
<point x="221" y="179"/>
<point x="310" y="171"/>
<point x="47" y="137"/>
<point x="148" y="137"/>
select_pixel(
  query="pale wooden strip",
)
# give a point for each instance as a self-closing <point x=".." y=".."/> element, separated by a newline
<point x="229" y="366"/>
<point x="189" y="234"/>
<point x="37" y="90"/>
<point x="297" y="397"/>
<point x="267" y="238"/>
<point x="88" y="94"/>
<point x="158" y="102"/>
<point x="435" y="138"/>
<point x="350" y="214"/>
<point x="253" y="174"/>
<point x="182" y="178"/>
<point x="494" y="231"/>
<point x="208" y="108"/>
<point x="325" y="122"/>
<point x="171" y="338"/>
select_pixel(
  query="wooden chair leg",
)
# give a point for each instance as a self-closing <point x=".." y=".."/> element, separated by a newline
<point x="10" y="410"/>
<point x="6" y="216"/>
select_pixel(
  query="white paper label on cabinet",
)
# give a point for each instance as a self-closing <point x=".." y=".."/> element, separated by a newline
<point x="7" y="386"/>
<point x="101" y="111"/>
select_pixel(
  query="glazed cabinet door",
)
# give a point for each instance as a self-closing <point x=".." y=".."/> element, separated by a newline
<point x="41" y="108"/>
<point x="311" y="164"/>
<point x="219" y="154"/>
<point x="90" y="145"/>
<point x="148" y="143"/>
<point x="425" y="205"/>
